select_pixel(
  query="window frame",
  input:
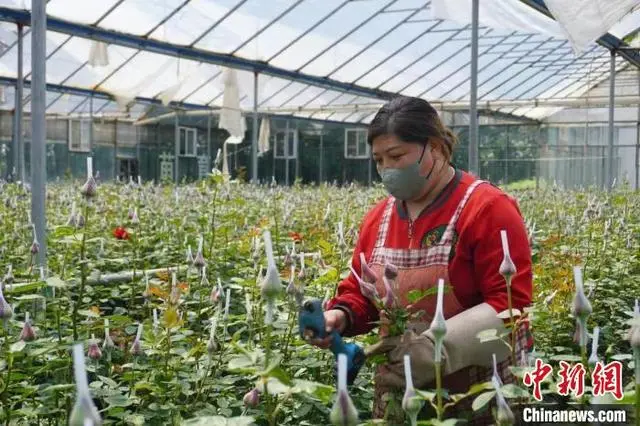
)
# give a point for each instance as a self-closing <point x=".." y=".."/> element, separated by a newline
<point x="187" y="130"/>
<point x="360" y="136"/>
<point x="280" y="140"/>
<point x="85" y="135"/>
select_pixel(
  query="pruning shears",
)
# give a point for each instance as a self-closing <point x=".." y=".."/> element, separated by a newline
<point x="311" y="324"/>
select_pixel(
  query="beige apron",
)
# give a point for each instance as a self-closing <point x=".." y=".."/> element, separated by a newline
<point x="420" y="269"/>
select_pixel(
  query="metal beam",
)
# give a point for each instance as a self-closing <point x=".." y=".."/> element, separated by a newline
<point x="473" y="164"/>
<point x="99" y="94"/>
<point x="375" y="41"/>
<point x="351" y="31"/>
<point x="501" y="55"/>
<point x="612" y="99"/>
<point x="184" y="52"/>
<point x="19" y="164"/>
<point x="38" y="127"/>
<point x="609" y="41"/>
<point x="254" y="132"/>
<point x="308" y="30"/>
<point x="430" y="70"/>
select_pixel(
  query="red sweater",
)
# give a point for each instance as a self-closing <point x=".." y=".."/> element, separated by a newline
<point x="476" y="254"/>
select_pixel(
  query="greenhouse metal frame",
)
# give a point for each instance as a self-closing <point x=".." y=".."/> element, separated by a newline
<point x="331" y="61"/>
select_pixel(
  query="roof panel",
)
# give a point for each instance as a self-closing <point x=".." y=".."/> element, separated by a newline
<point x="289" y="28"/>
<point x="388" y="45"/>
<point x="190" y="22"/>
<point x="141" y="72"/>
<point x="90" y="76"/>
<point x="139" y="16"/>
<point x="328" y="32"/>
<point x="435" y="65"/>
<point x="241" y="26"/>
<point x="344" y="51"/>
<point x="86" y="12"/>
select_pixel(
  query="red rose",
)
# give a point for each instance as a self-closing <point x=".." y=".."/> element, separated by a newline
<point x="120" y="233"/>
<point x="295" y="236"/>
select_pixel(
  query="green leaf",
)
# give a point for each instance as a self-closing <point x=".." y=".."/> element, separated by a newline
<point x="109" y="382"/>
<point x="513" y="391"/>
<point x="281" y="375"/>
<point x="621" y="357"/>
<point x="274" y="386"/>
<point x="415" y="295"/>
<point x="59" y="388"/>
<point x="18" y="346"/>
<point x="240" y="363"/>
<point x="220" y="421"/>
<point x="566" y="357"/>
<point x="88" y="313"/>
<point x="118" y="401"/>
<point x="56" y="282"/>
<point x="481" y="400"/>
<point x="135" y="420"/>
<point x="30" y="297"/>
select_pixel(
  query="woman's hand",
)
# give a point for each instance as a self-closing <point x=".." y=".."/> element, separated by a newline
<point x="334" y="319"/>
<point x="418" y="346"/>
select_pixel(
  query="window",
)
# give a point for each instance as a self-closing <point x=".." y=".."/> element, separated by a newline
<point x="286" y="147"/>
<point x="188" y="138"/>
<point x="355" y="144"/>
<point x="79" y="135"/>
<point x="128" y="169"/>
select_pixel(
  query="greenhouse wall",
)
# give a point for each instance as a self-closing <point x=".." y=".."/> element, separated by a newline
<point x="569" y="155"/>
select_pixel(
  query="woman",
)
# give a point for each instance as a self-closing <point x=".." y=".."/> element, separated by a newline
<point x="439" y="222"/>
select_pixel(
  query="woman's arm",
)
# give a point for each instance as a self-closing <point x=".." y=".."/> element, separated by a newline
<point x="502" y="213"/>
<point x="360" y="312"/>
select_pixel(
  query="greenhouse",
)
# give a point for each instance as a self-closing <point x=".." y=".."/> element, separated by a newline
<point x="185" y="183"/>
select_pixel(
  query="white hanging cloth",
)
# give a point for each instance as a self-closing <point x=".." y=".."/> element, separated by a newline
<point x="231" y="118"/>
<point x="507" y="15"/>
<point x="98" y="54"/>
<point x="584" y="21"/>
<point x="263" y="137"/>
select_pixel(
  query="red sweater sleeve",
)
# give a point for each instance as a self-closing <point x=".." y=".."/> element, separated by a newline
<point x="502" y="212"/>
<point x="360" y="311"/>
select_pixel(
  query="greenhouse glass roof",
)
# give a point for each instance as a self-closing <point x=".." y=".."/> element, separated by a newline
<point x="324" y="59"/>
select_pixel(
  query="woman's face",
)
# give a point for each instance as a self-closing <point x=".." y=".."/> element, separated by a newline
<point x="389" y="152"/>
<point x="406" y="169"/>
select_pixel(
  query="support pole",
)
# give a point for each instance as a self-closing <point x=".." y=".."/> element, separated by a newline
<point x="612" y="94"/>
<point x="209" y="142"/>
<point x="38" y="124"/>
<point x="177" y="148"/>
<point x="91" y="153"/>
<point x="296" y="141"/>
<point x="116" y="172"/>
<point x="321" y="171"/>
<point x="286" y="154"/>
<point x="19" y="142"/>
<point x="254" y="131"/>
<point x="637" y="185"/>
<point x="473" y="108"/>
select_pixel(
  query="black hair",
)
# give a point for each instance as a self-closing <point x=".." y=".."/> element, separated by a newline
<point x="412" y="120"/>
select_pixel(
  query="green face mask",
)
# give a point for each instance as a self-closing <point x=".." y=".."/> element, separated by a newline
<point x="405" y="183"/>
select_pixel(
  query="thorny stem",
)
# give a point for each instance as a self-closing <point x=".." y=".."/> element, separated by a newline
<point x="4" y="395"/>
<point x="439" y="390"/>
<point x="83" y="272"/>
<point x="213" y="222"/>
<point x="637" y="404"/>
<point x="511" y="322"/>
<point x="290" y="327"/>
<point x="133" y="276"/>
